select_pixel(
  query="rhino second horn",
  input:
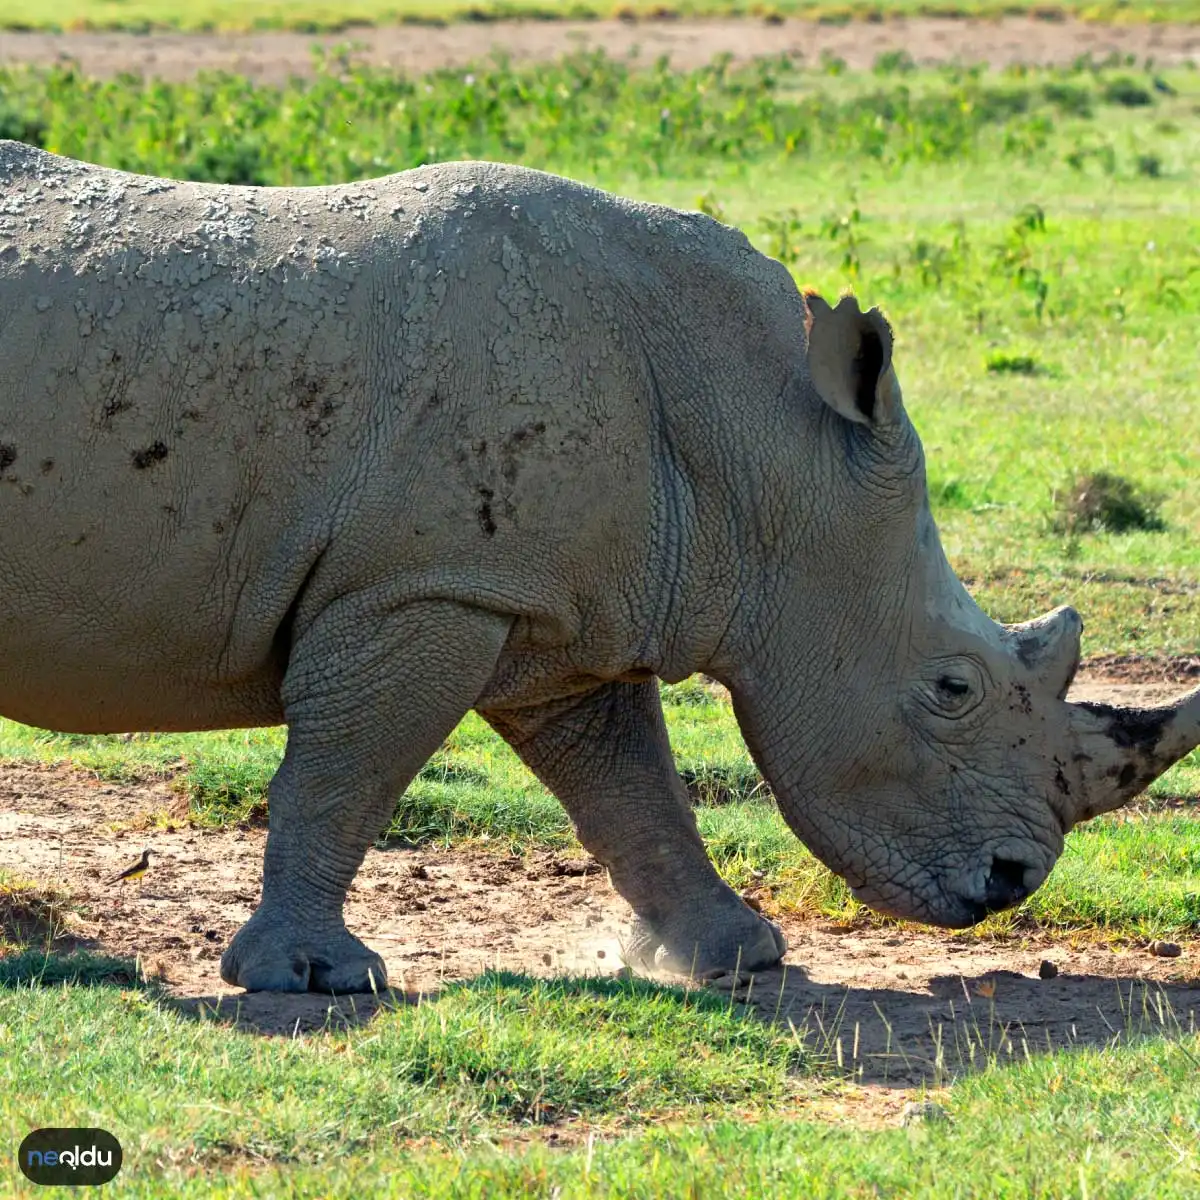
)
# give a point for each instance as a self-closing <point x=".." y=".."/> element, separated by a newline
<point x="1118" y="752"/>
<point x="1048" y="647"/>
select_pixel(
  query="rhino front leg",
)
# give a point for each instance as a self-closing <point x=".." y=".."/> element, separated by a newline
<point x="607" y="758"/>
<point x="368" y="696"/>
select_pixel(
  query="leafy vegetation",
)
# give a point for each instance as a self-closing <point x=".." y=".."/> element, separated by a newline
<point x="584" y="113"/>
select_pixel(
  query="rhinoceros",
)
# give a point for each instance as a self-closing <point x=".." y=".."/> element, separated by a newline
<point x="360" y="459"/>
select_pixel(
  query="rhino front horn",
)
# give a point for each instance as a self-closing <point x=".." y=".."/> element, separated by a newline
<point x="1118" y="752"/>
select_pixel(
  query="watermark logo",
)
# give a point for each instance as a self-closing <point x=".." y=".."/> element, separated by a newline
<point x="69" y="1157"/>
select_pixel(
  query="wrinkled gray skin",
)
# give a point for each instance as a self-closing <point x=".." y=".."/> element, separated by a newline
<point x="363" y="458"/>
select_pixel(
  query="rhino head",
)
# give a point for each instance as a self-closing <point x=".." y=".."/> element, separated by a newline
<point x="924" y="752"/>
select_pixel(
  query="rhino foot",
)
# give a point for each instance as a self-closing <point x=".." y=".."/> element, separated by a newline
<point x="272" y="956"/>
<point x="707" y="945"/>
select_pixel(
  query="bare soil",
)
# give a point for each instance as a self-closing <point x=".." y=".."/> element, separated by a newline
<point x="273" y="57"/>
<point x="897" y="1008"/>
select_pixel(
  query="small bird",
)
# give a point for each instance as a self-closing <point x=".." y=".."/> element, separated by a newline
<point x="135" y="872"/>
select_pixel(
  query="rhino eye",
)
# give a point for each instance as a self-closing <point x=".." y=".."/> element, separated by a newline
<point x="954" y="688"/>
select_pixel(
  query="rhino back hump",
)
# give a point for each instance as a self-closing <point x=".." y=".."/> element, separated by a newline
<point x="443" y="377"/>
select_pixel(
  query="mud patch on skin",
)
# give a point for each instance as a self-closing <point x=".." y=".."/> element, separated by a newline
<point x="154" y="453"/>
<point x="1131" y="728"/>
<point x="906" y="1004"/>
<point x="484" y="511"/>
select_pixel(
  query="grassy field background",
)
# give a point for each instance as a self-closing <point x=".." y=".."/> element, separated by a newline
<point x="1034" y="238"/>
<point x="322" y="16"/>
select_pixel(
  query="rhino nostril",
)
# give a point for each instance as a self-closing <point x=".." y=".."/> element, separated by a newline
<point x="1005" y="884"/>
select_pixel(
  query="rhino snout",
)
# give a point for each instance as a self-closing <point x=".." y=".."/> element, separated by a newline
<point x="1001" y="883"/>
<point x="1006" y="884"/>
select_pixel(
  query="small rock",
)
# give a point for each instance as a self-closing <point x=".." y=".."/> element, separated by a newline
<point x="730" y="981"/>
<point x="917" y="1111"/>
<point x="1047" y="970"/>
<point x="574" y="866"/>
<point x="1165" y="949"/>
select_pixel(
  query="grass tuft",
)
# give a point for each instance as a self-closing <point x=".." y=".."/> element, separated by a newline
<point x="1001" y="363"/>
<point x="80" y="968"/>
<point x="1104" y="502"/>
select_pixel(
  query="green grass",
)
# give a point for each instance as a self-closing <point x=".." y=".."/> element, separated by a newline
<point x="315" y="16"/>
<point x="499" y="1053"/>
<point x="685" y="1094"/>
<point x="1044" y="283"/>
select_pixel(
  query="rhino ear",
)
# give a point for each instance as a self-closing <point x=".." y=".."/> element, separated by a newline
<point x="850" y="360"/>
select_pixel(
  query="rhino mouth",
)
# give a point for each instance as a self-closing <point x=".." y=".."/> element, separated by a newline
<point x="960" y="900"/>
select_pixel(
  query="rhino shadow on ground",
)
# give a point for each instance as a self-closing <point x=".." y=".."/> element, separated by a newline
<point x="901" y="1038"/>
<point x="890" y="1036"/>
<point x="887" y="1036"/>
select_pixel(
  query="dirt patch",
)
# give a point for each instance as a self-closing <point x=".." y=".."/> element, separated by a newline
<point x="893" y="1008"/>
<point x="273" y="57"/>
<point x="1134" y="679"/>
<point x="1142" y="669"/>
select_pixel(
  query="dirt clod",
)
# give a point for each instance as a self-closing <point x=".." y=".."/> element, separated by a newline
<point x="574" y="866"/>
<point x="731" y="981"/>
<point x="916" y="1112"/>
<point x="1047" y="970"/>
<point x="1165" y="949"/>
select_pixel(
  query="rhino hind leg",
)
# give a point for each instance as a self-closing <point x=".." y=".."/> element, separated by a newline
<point x="368" y="696"/>
<point x="607" y="758"/>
